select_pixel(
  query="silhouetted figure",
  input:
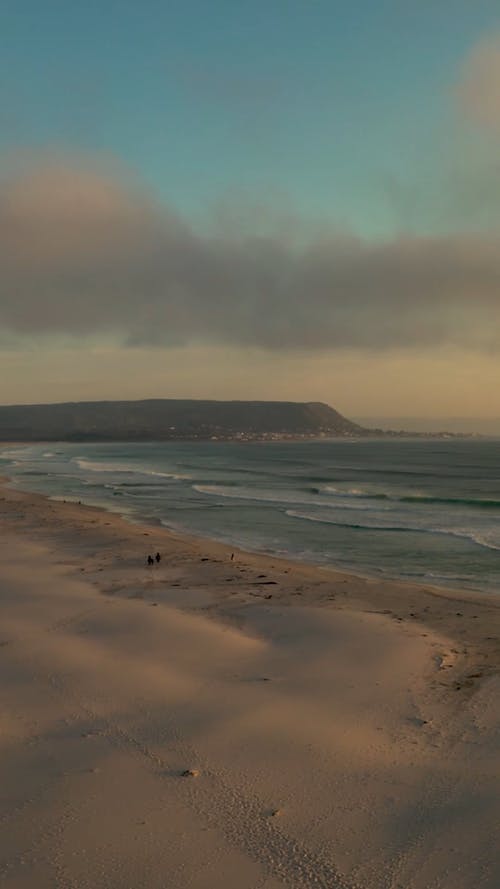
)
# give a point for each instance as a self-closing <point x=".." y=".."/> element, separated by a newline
<point x="232" y="557"/>
<point x="151" y="561"/>
<point x="158" y="557"/>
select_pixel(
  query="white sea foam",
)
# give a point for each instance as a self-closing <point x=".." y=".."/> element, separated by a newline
<point x="14" y="455"/>
<point x="94" y="466"/>
<point x="367" y="493"/>
<point x="489" y="540"/>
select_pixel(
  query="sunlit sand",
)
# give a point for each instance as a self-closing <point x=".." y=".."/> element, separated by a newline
<point x="235" y="724"/>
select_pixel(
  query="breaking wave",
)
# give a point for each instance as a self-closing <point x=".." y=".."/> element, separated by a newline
<point x="464" y="533"/>
<point x="93" y="466"/>
<point x="477" y="503"/>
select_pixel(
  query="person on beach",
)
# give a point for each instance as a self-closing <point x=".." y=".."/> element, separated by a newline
<point x="158" y="557"/>
<point x="151" y="561"/>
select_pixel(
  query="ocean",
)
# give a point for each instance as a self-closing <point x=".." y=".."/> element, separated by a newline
<point x="421" y="510"/>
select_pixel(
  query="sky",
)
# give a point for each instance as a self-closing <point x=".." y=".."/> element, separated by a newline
<point x="277" y="199"/>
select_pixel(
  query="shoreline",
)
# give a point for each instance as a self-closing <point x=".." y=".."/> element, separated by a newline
<point x="253" y="722"/>
<point x="360" y="589"/>
<point x="198" y="540"/>
<point x="430" y="563"/>
<point x="137" y="520"/>
<point x="445" y="590"/>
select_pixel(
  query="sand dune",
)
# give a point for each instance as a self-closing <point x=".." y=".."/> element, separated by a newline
<point x="341" y="733"/>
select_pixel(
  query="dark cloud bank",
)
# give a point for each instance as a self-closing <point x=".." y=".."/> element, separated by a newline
<point x="83" y="253"/>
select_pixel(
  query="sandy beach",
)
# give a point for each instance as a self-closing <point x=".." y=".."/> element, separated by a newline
<point x="236" y="723"/>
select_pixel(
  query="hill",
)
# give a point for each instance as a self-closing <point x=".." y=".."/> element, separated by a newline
<point x="172" y="419"/>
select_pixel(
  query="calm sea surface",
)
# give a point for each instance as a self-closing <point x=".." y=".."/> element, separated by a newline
<point x="421" y="510"/>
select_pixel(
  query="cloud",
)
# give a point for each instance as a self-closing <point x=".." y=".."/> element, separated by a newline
<point x="478" y="89"/>
<point x="86" y="253"/>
